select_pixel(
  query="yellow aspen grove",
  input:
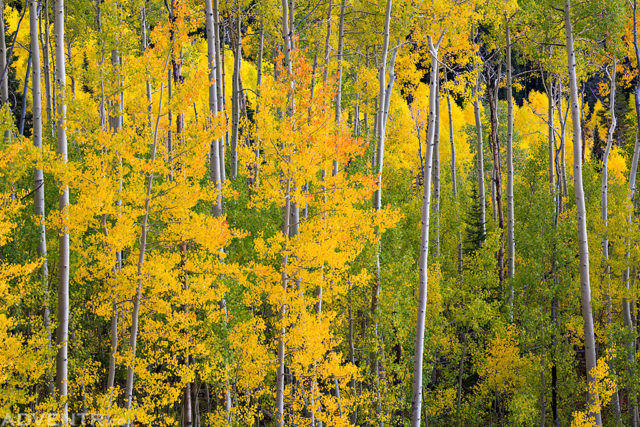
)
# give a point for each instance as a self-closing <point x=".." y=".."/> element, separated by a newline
<point x="141" y="287"/>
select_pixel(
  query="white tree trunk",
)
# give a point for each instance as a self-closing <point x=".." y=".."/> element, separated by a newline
<point x="379" y="159"/>
<point x="416" y="403"/>
<point x="62" y="333"/>
<point x="219" y="82"/>
<point x="436" y="173"/>
<point x="511" y="244"/>
<point x="214" y="152"/>
<point x="585" y="286"/>
<point x="39" y="202"/>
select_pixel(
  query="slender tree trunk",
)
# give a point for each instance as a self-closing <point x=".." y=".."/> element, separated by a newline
<point x="416" y="403"/>
<point x="379" y="158"/>
<point x="4" y="81"/>
<point x="235" y="99"/>
<point x="551" y="129"/>
<point x="378" y="166"/>
<point x="256" y="169"/>
<point x="494" y="143"/>
<point x="339" y="91"/>
<point x="626" y="305"/>
<point x="327" y="43"/>
<point x="287" y="231"/>
<point x="39" y="202"/>
<point x="62" y="332"/>
<point x="45" y="57"/>
<point x="135" y="316"/>
<point x="24" y="96"/>
<point x="585" y="287"/>
<point x="4" y="68"/>
<point x="605" y="210"/>
<point x="454" y="185"/>
<point x="214" y="152"/>
<point x="219" y="82"/>
<point x="511" y="244"/>
<point x="480" y="157"/>
<point x="436" y="173"/>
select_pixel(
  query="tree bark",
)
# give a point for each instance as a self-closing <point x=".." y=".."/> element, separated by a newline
<point x="62" y="332"/>
<point x="605" y="210"/>
<point x="214" y="151"/>
<point x="494" y="143"/>
<point x="379" y="159"/>
<point x="219" y="83"/>
<point x="39" y="201"/>
<point x="511" y="244"/>
<point x="585" y="286"/>
<point x="416" y="403"/>
<point x="436" y="172"/>
<point x="626" y="305"/>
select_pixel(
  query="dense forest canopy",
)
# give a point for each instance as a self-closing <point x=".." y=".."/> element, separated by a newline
<point x="319" y="212"/>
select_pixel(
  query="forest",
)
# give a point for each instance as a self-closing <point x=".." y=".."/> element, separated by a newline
<point x="319" y="213"/>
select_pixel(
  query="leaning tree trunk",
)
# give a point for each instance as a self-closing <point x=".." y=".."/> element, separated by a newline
<point x="416" y="403"/>
<point x="585" y="286"/>
<point x="62" y="332"/>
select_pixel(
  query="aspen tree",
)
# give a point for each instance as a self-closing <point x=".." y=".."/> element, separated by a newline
<point x="39" y="184"/>
<point x="416" y="402"/>
<point x="62" y="332"/>
<point x="511" y="246"/>
<point x="583" y="245"/>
